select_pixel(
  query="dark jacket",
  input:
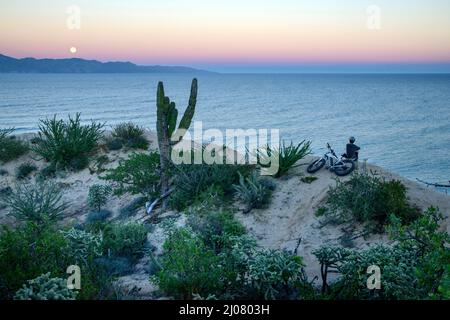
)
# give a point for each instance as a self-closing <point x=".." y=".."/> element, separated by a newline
<point x="352" y="150"/>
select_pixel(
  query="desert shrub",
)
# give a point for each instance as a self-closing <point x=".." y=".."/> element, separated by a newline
<point x="191" y="180"/>
<point x="126" y="240"/>
<point x="187" y="266"/>
<point x="215" y="228"/>
<point x="369" y="199"/>
<point x="27" y="252"/>
<point x="287" y="155"/>
<point x="45" y="288"/>
<point x="98" y="196"/>
<point x="36" y="202"/>
<point x="276" y="274"/>
<point x="11" y="148"/>
<point x="136" y="175"/>
<point x="67" y="143"/>
<point x="252" y="192"/>
<point x="34" y="249"/>
<point x="225" y="263"/>
<point x="114" y="144"/>
<point x="24" y="170"/>
<point x="84" y="246"/>
<point x="131" y="135"/>
<point x="413" y="268"/>
<point x="97" y="216"/>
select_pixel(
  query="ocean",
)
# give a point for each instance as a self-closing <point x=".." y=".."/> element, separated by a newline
<point x="401" y="122"/>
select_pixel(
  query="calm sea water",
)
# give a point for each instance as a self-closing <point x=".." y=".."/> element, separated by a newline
<point x="402" y="122"/>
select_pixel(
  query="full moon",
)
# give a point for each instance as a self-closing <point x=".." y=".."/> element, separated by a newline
<point x="73" y="50"/>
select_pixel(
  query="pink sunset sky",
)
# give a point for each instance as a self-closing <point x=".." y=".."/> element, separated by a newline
<point x="231" y="33"/>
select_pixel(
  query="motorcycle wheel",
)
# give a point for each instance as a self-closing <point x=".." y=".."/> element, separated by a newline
<point x="346" y="169"/>
<point x="316" y="165"/>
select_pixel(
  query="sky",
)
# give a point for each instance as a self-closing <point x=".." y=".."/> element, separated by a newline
<point x="235" y="35"/>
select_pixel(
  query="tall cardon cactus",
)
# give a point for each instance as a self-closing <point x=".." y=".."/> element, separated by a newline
<point x="166" y="128"/>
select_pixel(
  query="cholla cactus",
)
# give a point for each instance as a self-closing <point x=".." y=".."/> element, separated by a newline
<point x="45" y="288"/>
<point x="84" y="245"/>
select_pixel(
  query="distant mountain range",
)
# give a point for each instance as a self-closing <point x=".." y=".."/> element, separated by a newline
<point x="76" y="65"/>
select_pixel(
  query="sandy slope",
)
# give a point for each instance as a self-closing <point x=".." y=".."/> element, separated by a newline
<point x="289" y="217"/>
<point x="291" y="214"/>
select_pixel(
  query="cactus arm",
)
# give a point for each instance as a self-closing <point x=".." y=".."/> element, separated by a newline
<point x="190" y="109"/>
<point x="172" y="118"/>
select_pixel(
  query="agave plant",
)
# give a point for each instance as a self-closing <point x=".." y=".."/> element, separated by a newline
<point x="288" y="155"/>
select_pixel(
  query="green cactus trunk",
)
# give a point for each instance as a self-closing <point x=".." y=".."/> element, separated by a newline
<point x="167" y="114"/>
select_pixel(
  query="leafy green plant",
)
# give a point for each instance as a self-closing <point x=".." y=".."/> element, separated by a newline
<point x="187" y="266"/>
<point x="136" y="175"/>
<point x="215" y="228"/>
<point x="36" y="202"/>
<point x="253" y="193"/>
<point x="369" y="199"/>
<point x="287" y="155"/>
<point x="127" y="239"/>
<point x="275" y="274"/>
<point x="98" y="196"/>
<point x="11" y="148"/>
<point x="45" y="287"/>
<point x="67" y="143"/>
<point x="84" y="246"/>
<point x="29" y="251"/>
<point x="24" y="170"/>
<point x="131" y="135"/>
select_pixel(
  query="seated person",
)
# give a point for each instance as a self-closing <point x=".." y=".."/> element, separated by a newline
<point x="351" y="149"/>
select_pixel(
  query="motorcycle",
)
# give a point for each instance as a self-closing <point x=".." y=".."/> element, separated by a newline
<point x="340" y="166"/>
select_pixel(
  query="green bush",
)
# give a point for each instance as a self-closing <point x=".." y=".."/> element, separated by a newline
<point x="98" y="196"/>
<point x="413" y="268"/>
<point x="45" y="288"/>
<point x="191" y="180"/>
<point x="27" y="252"/>
<point x="287" y="155"/>
<point x="24" y="170"/>
<point x="219" y="260"/>
<point x="84" y="246"/>
<point x="369" y="199"/>
<point x="67" y="143"/>
<point x="276" y="274"/>
<point x="252" y="192"/>
<point x="136" y="175"/>
<point x="11" y="148"/>
<point x="215" y="228"/>
<point x="38" y="202"/>
<point x="131" y="135"/>
<point x="127" y="240"/>
<point x="187" y="266"/>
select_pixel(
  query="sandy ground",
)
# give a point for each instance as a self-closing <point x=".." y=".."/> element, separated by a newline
<point x="290" y="216"/>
